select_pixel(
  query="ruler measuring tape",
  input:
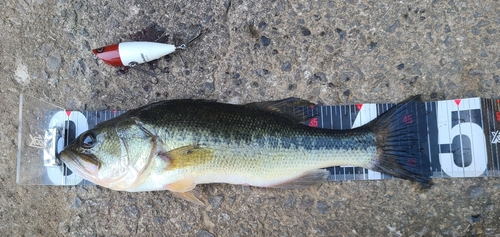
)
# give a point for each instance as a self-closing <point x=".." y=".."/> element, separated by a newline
<point x="460" y="138"/>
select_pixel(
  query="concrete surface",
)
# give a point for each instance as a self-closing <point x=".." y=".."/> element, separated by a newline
<point x="329" y="52"/>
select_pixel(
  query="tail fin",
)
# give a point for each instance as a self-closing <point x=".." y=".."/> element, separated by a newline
<point x="398" y="150"/>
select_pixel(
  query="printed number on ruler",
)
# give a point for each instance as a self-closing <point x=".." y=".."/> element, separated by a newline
<point x="461" y="138"/>
<point x="74" y="122"/>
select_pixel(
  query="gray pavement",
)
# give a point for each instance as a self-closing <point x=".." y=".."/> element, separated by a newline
<point x="329" y="52"/>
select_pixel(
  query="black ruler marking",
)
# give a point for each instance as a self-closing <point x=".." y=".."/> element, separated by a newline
<point x="495" y="140"/>
<point x="492" y="114"/>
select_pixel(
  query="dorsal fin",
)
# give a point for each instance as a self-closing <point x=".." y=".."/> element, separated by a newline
<point x="292" y="108"/>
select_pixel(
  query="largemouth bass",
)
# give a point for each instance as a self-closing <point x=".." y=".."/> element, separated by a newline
<point x="175" y="145"/>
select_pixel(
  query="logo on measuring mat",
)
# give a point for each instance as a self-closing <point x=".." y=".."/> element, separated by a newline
<point x="496" y="137"/>
<point x="36" y="141"/>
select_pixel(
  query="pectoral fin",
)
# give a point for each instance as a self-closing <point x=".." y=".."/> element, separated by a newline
<point x="186" y="156"/>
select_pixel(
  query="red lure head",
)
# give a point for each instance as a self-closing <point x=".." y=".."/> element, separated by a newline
<point x="109" y="54"/>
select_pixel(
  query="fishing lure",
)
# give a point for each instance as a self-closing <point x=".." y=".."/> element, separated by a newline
<point x="133" y="53"/>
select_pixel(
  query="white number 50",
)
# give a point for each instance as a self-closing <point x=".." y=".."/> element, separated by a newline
<point x="474" y="133"/>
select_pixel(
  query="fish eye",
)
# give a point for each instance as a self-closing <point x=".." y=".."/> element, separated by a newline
<point x="87" y="140"/>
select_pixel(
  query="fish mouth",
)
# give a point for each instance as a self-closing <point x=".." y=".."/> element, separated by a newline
<point x="85" y="166"/>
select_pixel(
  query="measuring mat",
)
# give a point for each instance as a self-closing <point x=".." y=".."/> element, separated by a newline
<point x="460" y="138"/>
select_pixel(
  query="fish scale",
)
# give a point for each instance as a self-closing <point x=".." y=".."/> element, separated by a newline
<point x="175" y="145"/>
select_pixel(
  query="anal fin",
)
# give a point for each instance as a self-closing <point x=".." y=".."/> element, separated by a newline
<point x="305" y="180"/>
